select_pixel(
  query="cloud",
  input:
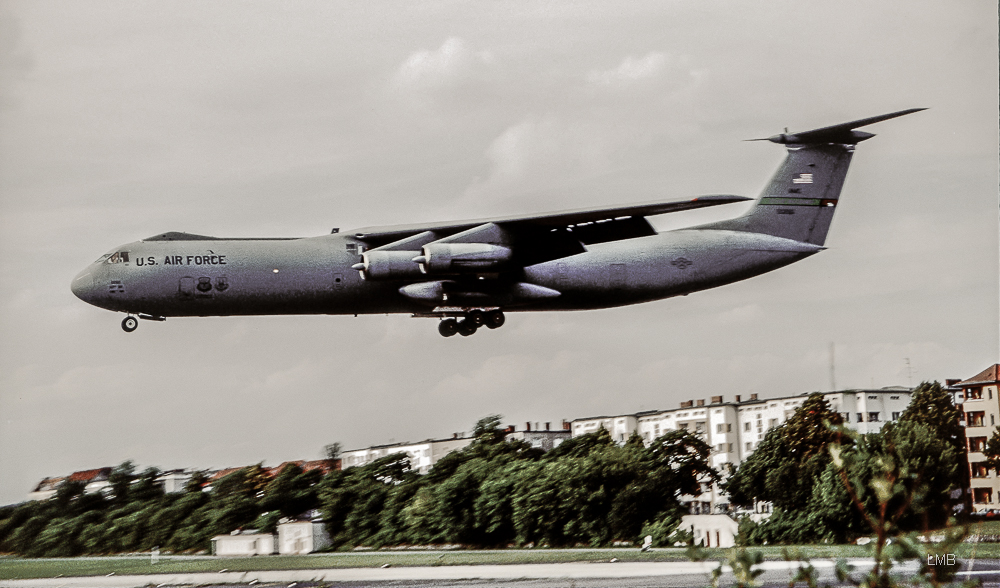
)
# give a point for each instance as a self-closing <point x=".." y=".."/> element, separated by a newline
<point x="632" y="69"/>
<point x="537" y="154"/>
<point x="741" y="314"/>
<point x="452" y="61"/>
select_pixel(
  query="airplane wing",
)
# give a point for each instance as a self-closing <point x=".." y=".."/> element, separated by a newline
<point x="588" y="225"/>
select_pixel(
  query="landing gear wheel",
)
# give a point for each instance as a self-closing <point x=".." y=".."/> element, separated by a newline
<point x="448" y="327"/>
<point x="467" y="327"/>
<point x="495" y="319"/>
<point x="477" y="317"/>
<point x="129" y="324"/>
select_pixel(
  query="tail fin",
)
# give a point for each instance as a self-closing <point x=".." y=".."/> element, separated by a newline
<point x="799" y="201"/>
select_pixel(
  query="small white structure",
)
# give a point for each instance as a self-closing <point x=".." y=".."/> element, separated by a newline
<point x="301" y="537"/>
<point x="174" y="481"/>
<point x="239" y="543"/>
<point x="711" y="530"/>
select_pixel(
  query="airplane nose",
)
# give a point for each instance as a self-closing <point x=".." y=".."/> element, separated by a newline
<point x="84" y="288"/>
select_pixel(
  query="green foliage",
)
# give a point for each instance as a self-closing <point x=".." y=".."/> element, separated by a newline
<point x="933" y="406"/>
<point x="665" y="531"/>
<point x="784" y="467"/>
<point x="992" y="450"/>
<point x="495" y="492"/>
<point x="136" y="515"/>
<point x="825" y="481"/>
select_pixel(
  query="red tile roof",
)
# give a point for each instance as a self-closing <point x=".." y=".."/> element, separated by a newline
<point x="48" y="484"/>
<point x="307" y="466"/>
<point x="87" y="476"/>
<point x="223" y="473"/>
<point x="987" y="376"/>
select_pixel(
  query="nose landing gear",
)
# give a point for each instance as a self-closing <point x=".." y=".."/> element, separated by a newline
<point x="129" y="324"/>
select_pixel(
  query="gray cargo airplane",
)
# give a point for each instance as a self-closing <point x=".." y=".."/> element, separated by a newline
<point x="468" y="273"/>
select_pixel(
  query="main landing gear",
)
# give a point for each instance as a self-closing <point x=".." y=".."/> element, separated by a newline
<point x="471" y="322"/>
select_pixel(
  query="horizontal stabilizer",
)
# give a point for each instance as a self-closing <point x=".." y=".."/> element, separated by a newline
<point x="843" y="133"/>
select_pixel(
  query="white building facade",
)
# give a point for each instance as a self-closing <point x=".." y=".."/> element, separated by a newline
<point x="423" y="455"/>
<point x="734" y="429"/>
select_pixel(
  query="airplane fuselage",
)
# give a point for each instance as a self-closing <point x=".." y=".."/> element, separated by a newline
<point x="222" y="277"/>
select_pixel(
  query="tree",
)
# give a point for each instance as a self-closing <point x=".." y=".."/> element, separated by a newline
<point x="789" y="461"/>
<point x="992" y="450"/>
<point x="121" y="480"/>
<point x="933" y="406"/>
<point x="332" y="453"/>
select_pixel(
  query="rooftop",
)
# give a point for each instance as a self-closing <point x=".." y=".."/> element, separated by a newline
<point x="990" y="375"/>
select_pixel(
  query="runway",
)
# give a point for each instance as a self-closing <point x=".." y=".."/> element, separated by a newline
<point x="576" y="575"/>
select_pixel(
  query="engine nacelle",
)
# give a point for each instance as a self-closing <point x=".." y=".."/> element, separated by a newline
<point x="388" y="265"/>
<point x="450" y="258"/>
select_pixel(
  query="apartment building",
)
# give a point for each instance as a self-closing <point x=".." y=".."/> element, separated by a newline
<point x="980" y="396"/>
<point x="422" y="455"/>
<point x="735" y="429"/>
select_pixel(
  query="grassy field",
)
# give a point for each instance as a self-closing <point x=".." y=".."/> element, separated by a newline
<point x="18" y="568"/>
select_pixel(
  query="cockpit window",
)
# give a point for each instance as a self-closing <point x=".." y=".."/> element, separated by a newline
<point x="103" y="258"/>
<point x="118" y="257"/>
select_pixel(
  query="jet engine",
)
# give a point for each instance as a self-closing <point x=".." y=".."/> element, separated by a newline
<point x="451" y="258"/>
<point x="387" y="265"/>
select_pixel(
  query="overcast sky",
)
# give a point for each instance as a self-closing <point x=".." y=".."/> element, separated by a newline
<point x="121" y="120"/>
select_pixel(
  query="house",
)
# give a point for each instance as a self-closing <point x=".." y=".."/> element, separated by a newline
<point x="93" y="481"/>
<point x="174" y="481"/>
<point x="46" y="488"/>
<point x="298" y="537"/>
<point x="981" y="411"/>
<point x="248" y="542"/>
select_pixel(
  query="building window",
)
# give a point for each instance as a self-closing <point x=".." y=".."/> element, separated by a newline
<point x="847" y="416"/>
<point x="772" y="423"/>
<point x="718" y="428"/>
<point x="895" y="415"/>
<point x="746" y="426"/>
<point x="730" y="448"/>
<point x="974" y="394"/>
<point x="749" y="445"/>
<point x="977" y="443"/>
<point x="729" y="428"/>
<point x="894" y="398"/>
<point x="861" y="418"/>
<point x="979" y="470"/>
<point x="982" y="495"/>
<point x="975" y="419"/>
<point x="873" y="417"/>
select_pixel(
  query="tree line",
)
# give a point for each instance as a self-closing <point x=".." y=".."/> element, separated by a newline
<point x="825" y="483"/>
